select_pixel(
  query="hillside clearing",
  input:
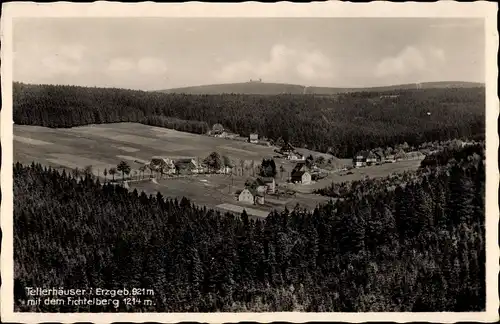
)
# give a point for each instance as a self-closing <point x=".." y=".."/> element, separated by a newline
<point x="100" y="146"/>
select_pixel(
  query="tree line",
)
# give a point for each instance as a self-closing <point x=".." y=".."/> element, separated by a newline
<point x="420" y="247"/>
<point x="342" y="124"/>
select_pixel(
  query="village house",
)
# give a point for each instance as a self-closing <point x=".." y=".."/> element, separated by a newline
<point x="287" y="148"/>
<point x="360" y="159"/>
<point x="217" y="129"/>
<point x="400" y="155"/>
<point x="390" y="158"/>
<point x="414" y="155"/>
<point x="245" y="196"/>
<point x="262" y="189"/>
<point x="371" y="158"/>
<point x="162" y="164"/>
<point x="225" y="170"/>
<point x="250" y="196"/>
<point x="293" y="156"/>
<point x="302" y="177"/>
<point x="253" y="138"/>
<point x="380" y="156"/>
<point x="259" y="199"/>
<point x="186" y="166"/>
<point x="269" y="183"/>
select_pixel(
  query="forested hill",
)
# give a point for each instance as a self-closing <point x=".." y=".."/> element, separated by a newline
<point x="420" y="247"/>
<point x="265" y="88"/>
<point x="341" y="124"/>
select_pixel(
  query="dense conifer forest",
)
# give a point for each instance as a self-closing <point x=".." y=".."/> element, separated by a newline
<point x="342" y="124"/>
<point x="420" y="247"/>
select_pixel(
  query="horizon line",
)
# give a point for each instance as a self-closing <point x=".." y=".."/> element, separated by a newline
<point x="482" y="84"/>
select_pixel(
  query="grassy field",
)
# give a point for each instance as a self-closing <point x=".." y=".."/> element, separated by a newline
<point x="216" y="189"/>
<point x="104" y="146"/>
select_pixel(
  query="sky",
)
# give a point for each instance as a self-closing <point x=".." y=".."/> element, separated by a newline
<point x="163" y="53"/>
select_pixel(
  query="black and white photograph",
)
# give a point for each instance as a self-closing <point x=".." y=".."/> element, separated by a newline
<point x="195" y="162"/>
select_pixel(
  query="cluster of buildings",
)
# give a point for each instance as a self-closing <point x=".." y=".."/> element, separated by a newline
<point x="367" y="158"/>
<point x="182" y="166"/>
<point x="219" y="131"/>
<point x="255" y="193"/>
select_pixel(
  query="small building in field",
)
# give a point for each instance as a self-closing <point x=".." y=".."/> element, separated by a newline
<point x="186" y="166"/>
<point x="390" y="158"/>
<point x="253" y="138"/>
<point x="294" y="156"/>
<point x="259" y="200"/>
<point x="380" y="156"/>
<point x="269" y="183"/>
<point x="415" y="155"/>
<point x="225" y="170"/>
<point x="250" y="196"/>
<point x="217" y="129"/>
<point x="360" y="159"/>
<point x="162" y="164"/>
<point x="287" y="148"/>
<point x="302" y="177"/>
<point x="262" y="189"/>
<point x="245" y="196"/>
<point x="371" y="158"/>
<point x="400" y="155"/>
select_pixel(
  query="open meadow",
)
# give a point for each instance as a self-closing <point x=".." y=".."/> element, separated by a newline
<point x="104" y="146"/>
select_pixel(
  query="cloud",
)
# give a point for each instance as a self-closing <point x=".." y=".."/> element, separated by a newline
<point x="284" y="64"/>
<point x="438" y="54"/>
<point x="120" y="65"/>
<point x="150" y="65"/>
<point x="67" y="59"/>
<point x="145" y="65"/>
<point x="408" y="61"/>
<point x="315" y="65"/>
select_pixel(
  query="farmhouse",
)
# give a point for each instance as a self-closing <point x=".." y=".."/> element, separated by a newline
<point x="287" y="148"/>
<point x="225" y="170"/>
<point x="380" y="156"/>
<point x="160" y="164"/>
<point x="415" y="155"/>
<point x="217" y="129"/>
<point x="302" y="177"/>
<point x="270" y="183"/>
<point x="266" y="182"/>
<point x="360" y="159"/>
<point x="390" y="158"/>
<point x="293" y="156"/>
<point x="262" y="189"/>
<point x="371" y="158"/>
<point x="186" y="166"/>
<point x="250" y="196"/>
<point x="400" y="155"/>
<point x="254" y="138"/>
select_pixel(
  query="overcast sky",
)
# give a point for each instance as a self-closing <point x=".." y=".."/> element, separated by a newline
<point x="161" y="53"/>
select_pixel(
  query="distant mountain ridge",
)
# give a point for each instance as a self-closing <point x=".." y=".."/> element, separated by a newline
<point x="264" y="88"/>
